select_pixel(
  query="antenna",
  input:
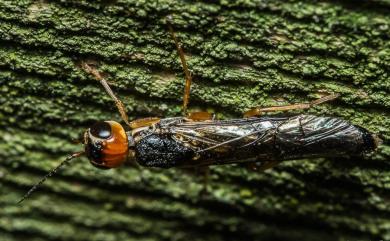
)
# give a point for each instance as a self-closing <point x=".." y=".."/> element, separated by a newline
<point x="51" y="173"/>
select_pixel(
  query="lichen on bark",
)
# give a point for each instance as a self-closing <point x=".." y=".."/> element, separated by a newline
<point x="242" y="54"/>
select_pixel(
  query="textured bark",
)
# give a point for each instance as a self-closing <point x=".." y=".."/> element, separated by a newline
<point x="242" y="54"/>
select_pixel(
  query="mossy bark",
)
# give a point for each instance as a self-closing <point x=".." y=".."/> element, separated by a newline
<point x="242" y="54"/>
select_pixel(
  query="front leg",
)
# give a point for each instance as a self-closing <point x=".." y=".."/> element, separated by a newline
<point x="103" y="81"/>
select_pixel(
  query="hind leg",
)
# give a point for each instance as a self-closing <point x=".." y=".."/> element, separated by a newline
<point x="258" y="111"/>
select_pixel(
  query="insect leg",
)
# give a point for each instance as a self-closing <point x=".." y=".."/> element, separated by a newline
<point x="261" y="166"/>
<point x="197" y="116"/>
<point x="144" y="122"/>
<point x="258" y="111"/>
<point x="118" y="102"/>
<point x="206" y="179"/>
<point x="187" y="73"/>
<point x="205" y="171"/>
<point x="200" y="116"/>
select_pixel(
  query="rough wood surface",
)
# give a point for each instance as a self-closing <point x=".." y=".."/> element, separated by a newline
<point x="242" y="54"/>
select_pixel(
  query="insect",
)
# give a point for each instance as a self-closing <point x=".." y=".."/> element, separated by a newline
<point x="198" y="140"/>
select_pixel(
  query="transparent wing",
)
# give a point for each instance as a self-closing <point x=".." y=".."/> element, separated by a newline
<point x="224" y="135"/>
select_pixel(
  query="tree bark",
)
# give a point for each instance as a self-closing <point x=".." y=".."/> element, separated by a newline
<point x="242" y="54"/>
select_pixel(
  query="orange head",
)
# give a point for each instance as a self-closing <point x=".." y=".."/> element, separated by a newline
<point x="106" y="144"/>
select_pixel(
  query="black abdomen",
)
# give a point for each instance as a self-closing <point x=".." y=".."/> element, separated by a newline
<point x="309" y="136"/>
<point x="183" y="144"/>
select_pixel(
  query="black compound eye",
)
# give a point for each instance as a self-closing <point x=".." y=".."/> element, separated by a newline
<point x="101" y="130"/>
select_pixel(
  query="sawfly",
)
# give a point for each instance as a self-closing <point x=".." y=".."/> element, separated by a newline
<point x="199" y="140"/>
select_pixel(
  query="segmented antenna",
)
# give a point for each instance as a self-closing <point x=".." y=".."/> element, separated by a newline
<point x="51" y="173"/>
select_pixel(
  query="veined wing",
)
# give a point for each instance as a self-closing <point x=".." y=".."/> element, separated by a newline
<point x="225" y="135"/>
